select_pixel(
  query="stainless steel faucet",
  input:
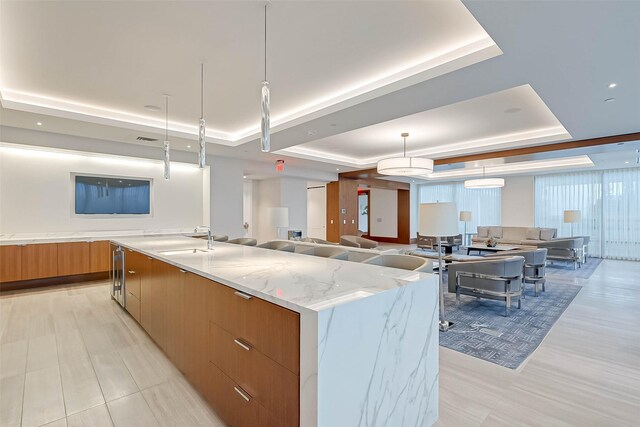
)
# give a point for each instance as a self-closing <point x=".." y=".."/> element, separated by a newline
<point x="209" y="236"/>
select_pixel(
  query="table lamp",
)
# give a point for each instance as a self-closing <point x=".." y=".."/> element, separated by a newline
<point x="279" y="218"/>
<point x="571" y="217"/>
<point x="466" y="217"/>
<point x="439" y="220"/>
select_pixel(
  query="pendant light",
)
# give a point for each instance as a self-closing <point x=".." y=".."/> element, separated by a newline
<point x="167" y="166"/>
<point x="405" y="166"/>
<point x="265" y="137"/>
<point x="201" y="128"/>
<point x="484" y="182"/>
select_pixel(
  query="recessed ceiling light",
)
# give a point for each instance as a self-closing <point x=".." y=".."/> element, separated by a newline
<point x="311" y="132"/>
<point x="333" y="125"/>
<point x="612" y="85"/>
<point x="620" y="143"/>
<point x="39" y="123"/>
<point x="626" y="163"/>
<point x="513" y="110"/>
<point x="609" y="99"/>
<point x="337" y="169"/>
<point x="244" y="176"/>
<point x="188" y="146"/>
<point x="152" y="107"/>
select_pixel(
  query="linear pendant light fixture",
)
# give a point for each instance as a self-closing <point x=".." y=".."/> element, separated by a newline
<point x="201" y="127"/>
<point x="484" y="182"/>
<point x="167" y="165"/>
<point x="265" y="137"/>
<point x="405" y="166"/>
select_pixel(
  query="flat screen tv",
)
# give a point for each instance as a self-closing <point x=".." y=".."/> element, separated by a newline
<point x="97" y="195"/>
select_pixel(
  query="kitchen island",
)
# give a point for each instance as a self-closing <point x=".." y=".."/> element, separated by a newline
<point x="278" y="338"/>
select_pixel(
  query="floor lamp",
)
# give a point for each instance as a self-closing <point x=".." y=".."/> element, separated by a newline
<point x="571" y="217"/>
<point x="439" y="220"/>
<point x="279" y="218"/>
<point x="466" y="217"/>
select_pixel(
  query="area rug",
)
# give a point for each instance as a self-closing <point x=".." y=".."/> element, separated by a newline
<point x="566" y="269"/>
<point x="481" y="330"/>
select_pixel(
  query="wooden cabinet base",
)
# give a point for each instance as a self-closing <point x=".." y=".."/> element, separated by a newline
<point x="52" y="281"/>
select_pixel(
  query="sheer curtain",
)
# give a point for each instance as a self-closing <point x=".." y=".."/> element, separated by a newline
<point x="621" y="214"/>
<point x="572" y="191"/>
<point x="609" y="202"/>
<point x="484" y="204"/>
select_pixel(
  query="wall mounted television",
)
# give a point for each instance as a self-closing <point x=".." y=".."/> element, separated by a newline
<point x="101" y="195"/>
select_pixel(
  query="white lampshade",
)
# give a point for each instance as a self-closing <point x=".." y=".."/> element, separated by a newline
<point x="572" y="217"/>
<point x="279" y="217"/>
<point x="484" y="183"/>
<point x="465" y="216"/>
<point x="438" y="219"/>
<point x="405" y="166"/>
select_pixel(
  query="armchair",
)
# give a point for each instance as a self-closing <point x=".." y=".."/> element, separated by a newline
<point x="495" y="278"/>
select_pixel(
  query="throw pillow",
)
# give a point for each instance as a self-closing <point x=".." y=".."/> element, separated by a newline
<point x="495" y="232"/>
<point x="547" y="233"/>
<point x="533" y="234"/>
<point x="483" y="231"/>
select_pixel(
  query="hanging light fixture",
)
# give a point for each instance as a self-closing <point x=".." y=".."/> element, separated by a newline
<point x="405" y="166"/>
<point x="167" y="166"/>
<point x="265" y="137"/>
<point x="201" y="128"/>
<point x="484" y="182"/>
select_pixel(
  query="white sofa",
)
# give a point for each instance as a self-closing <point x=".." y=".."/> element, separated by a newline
<point x="531" y="236"/>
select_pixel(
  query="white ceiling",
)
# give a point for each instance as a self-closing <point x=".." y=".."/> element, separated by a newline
<point x="109" y="59"/>
<point x="558" y="59"/>
<point x="509" y="118"/>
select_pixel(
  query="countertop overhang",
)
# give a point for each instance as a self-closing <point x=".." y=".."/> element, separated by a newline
<point x="295" y="281"/>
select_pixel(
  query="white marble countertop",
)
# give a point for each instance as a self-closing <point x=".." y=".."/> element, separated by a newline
<point x="84" y="236"/>
<point x="295" y="281"/>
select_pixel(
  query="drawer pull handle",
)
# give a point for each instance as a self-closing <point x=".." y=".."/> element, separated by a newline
<point x="244" y="395"/>
<point x="131" y="272"/>
<point x="149" y="258"/>
<point x="242" y="295"/>
<point x="241" y="344"/>
<point x="182" y="271"/>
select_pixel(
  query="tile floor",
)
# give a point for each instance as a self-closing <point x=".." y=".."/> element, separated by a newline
<point x="70" y="356"/>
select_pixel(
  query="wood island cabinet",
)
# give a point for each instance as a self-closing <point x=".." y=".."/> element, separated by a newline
<point x="100" y="256"/>
<point x="240" y="352"/>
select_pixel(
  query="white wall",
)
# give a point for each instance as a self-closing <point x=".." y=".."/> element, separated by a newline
<point x="317" y="212"/>
<point x="517" y="201"/>
<point x="37" y="191"/>
<point x="280" y="192"/>
<point x="383" y="208"/>
<point x="227" y="196"/>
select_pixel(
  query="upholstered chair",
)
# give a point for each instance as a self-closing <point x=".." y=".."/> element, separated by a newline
<point x="245" y="241"/>
<point x="405" y="262"/>
<point x="220" y="238"/>
<point x="278" y="245"/>
<point x="569" y="249"/>
<point x="358" y="242"/>
<point x="327" y="252"/>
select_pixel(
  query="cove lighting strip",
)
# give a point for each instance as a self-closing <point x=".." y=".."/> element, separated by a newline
<point x="514" y="168"/>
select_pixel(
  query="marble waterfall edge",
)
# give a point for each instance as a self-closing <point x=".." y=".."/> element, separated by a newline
<point x="378" y="359"/>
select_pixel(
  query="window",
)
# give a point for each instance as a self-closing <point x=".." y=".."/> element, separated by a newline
<point x="609" y="202"/>
<point x="484" y="204"/>
<point x="100" y="195"/>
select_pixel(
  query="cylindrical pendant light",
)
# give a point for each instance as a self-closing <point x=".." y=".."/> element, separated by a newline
<point x="167" y="154"/>
<point x="405" y="166"/>
<point x="484" y="182"/>
<point x="201" y="128"/>
<point x="265" y="137"/>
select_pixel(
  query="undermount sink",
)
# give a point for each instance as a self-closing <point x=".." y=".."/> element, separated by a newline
<point x="184" y="251"/>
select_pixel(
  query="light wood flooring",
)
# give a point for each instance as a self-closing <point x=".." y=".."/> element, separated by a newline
<point x="72" y="357"/>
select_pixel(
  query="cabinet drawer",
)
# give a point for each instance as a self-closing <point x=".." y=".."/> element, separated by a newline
<point x="132" y="282"/>
<point x="273" y="330"/>
<point x="272" y="385"/>
<point x="234" y="405"/>
<point x="132" y="305"/>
